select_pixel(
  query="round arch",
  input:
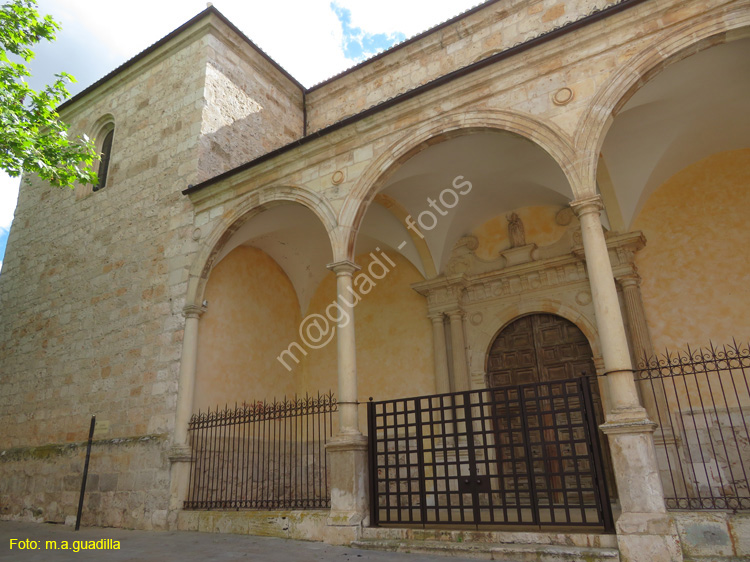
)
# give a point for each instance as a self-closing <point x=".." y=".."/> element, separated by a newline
<point x="249" y="207"/>
<point x="509" y="314"/>
<point x="714" y="29"/>
<point x="548" y="137"/>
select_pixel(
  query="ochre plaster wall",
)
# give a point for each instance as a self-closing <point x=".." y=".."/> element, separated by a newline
<point x="252" y="315"/>
<point x="393" y="334"/>
<point x="539" y="225"/>
<point x="696" y="277"/>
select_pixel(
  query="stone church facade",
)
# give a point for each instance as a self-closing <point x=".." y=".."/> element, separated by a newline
<point x="527" y="168"/>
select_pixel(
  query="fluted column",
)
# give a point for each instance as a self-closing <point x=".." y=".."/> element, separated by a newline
<point x="458" y="344"/>
<point x="442" y="378"/>
<point x="179" y="455"/>
<point x="639" y="335"/>
<point x="654" y="399"/>
<point x="347" y="451"/>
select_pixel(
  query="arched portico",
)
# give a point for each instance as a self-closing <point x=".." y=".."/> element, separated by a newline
<point x="240" y="214"/>
<point x="638" y="82"/>
<point x="443" y="128"/>
<point x="714" y="29"/>
<point x="233" y="229"/>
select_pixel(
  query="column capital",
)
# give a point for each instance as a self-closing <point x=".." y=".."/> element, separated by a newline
<point x="436" y="316"/>
<point x="193" y="311"/>
<point x="343" y="267"/>
<point x="455" y="312"/>
<point x="629" y="280"/>
<point x="587" y="205"/>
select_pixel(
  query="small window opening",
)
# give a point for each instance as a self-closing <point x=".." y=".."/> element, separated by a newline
<point x="104" y="162"/>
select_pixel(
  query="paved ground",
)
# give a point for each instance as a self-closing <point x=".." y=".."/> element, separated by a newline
<point x="147" y="546"/>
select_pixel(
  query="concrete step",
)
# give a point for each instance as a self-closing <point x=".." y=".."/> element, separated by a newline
<point x="507" y="552"/>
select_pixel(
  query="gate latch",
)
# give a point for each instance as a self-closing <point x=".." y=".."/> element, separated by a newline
<point x="473" y="484"/>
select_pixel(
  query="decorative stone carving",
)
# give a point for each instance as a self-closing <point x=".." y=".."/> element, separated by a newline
<point x="476" y="318"/>
<point x="583" y="298"/>
<point x="562" y="96"/>
<point x="462" y="256"/>
<point x="516" y="231"/>
<point x="471" y="281"/>
<point x="564" y="216"/>
<point x="519" y="255"/>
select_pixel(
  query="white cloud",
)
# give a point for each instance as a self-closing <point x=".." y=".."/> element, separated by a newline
<point x="8" y="198"/>
<point x="304" y="36"/>
<point x="407" y="17"/>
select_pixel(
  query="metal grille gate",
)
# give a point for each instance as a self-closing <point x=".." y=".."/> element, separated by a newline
<point x="514" y="455"/>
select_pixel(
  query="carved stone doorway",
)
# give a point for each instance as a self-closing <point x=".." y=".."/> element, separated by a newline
<point x="544" y="348"/>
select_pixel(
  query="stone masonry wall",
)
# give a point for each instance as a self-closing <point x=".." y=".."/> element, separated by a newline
<point x="93" y="288"/>
<point x="490" y="30"/>
<point x="251" y="108"/>
<point x="125" y="484"/>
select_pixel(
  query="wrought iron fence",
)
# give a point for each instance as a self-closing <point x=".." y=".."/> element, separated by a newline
<point x="701" y="399"/>
<point x="264" y="455"/>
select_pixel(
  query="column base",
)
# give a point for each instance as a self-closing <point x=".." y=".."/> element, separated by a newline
<point x="648" y="537"/>
<point x="645" y="531"/>
<point x="180" y="457"/>
<point x="632" y="414"/>
<point x="347" y="457"/>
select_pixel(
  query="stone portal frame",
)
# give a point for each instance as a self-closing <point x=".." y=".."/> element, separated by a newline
<point x="491" y="294"/>
<point x="581" y="318"/>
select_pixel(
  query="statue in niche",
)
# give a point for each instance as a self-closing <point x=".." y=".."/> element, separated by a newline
<point x="516" y="233"/>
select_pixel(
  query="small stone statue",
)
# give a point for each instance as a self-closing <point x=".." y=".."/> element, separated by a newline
<point x="516" y="233"/>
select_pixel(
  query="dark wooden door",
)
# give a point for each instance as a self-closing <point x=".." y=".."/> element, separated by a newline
<point x="539" y="348"/>
<point x="544" y="348"/>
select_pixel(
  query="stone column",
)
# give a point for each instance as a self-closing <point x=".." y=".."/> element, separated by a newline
<point x="458" y="344"/>
<point x="442" y="379"/>
<point x="639" y="335"/>
<point x="645" y="531"/>
<point x="180" y="455"/>
<point x="652" y="392"/>
<point x="347" y="451"/>
<point x="641" y="341"/>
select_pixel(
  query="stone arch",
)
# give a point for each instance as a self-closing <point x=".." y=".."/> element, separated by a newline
<point x="545" y="135"/>
<point x="247" y="208"/>
<point x="711" y="30"/>
<point x="512" y="312"/>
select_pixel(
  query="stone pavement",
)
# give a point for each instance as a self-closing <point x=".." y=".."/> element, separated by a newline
<point x="147" y="546"/>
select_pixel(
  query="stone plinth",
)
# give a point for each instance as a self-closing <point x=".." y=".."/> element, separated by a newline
<point x="347" y="458"/>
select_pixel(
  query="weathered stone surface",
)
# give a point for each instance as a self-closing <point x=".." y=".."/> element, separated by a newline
<point x="713" y="536"/>
<point x="94" y="284"/>
<point x="109" y="501"/>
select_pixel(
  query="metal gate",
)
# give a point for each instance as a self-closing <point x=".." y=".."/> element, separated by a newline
<point x="514" y="455"/>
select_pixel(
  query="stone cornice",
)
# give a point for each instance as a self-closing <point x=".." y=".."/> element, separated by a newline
<point x="445" y="293"/>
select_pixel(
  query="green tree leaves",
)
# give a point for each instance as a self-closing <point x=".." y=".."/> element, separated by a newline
<point x="33" y="139"/>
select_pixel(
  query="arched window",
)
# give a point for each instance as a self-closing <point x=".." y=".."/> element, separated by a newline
<point x="106" y="153"/>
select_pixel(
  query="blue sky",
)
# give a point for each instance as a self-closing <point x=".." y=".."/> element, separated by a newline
<point x="358" y="44"/>
<point x="311" y="39"/>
